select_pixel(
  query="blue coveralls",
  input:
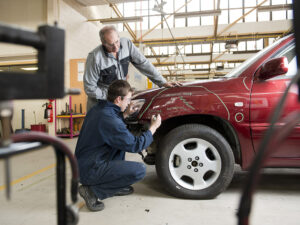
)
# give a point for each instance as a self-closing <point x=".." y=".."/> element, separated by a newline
<point x="100" y="151"/>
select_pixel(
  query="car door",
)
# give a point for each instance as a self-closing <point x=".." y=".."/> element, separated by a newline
<point x="264" y="97"/>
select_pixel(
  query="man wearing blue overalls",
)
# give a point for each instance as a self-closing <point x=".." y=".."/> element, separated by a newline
<point x="104" y="139"/>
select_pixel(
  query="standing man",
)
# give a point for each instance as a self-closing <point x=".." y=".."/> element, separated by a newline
<point x="109" y="62"/>
<point x="101" y="146"/>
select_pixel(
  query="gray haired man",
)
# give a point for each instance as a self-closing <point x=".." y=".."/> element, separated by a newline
<point x="109" y="62"/>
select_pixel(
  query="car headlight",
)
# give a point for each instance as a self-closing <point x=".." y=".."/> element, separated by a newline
<point x="138" y="104"/>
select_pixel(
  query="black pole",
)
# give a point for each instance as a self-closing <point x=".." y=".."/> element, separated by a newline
<point x="61" y="187"/>
<point x="23" y="119"/>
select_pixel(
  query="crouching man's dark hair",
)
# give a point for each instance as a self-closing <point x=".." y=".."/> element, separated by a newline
<point x="118" y="88"/>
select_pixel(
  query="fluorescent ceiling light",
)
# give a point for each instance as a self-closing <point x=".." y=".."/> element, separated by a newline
<point x="230" y="44"/>
<point x="29" y="68"/>
<point x="198" y="13"/>
<point x="274" y="7"/>
<point x="119" y="20"/>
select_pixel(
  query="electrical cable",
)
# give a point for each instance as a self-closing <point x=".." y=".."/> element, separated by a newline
<point x="178" y="50"/>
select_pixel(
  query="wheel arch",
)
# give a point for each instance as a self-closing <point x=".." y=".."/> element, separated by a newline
<point x="214" y="122"/>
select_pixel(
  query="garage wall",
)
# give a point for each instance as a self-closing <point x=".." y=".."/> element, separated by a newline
<point x="81" y="38"/>
<point x="28" y="14"/>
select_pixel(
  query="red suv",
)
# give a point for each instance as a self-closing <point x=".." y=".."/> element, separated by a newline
<point x="210" y="125"/>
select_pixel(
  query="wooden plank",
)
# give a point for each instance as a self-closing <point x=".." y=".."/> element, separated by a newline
<point x="76" y="82"/>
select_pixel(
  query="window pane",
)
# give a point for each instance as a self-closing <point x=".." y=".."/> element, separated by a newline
<point x="235" y="14"/>
<point x="267" y="3"/>
<point x="224" y="4"/>
<point x="242" y="46"/>
<point x="170" y="22"/>
<point x="188" y="49"/>
<point x="178" y="4"/>
<point x="172" y="50"/>
<point x="223" y="18"/>
<point x="206" y="5"/>
<point x="207" y="20"/>
<point x="216" y="47"/>
<point x="141" y="8"/>
<point x="279" y="15"/>
<point x="250" y="3"/>
<point x="250" y="17"/>
<point x="164" y="50"/>
<point x="205" y="48"/>
<point x="235" y="3"/>
<point x="181" y="49"/>
<point x="194" y="21"/>
<point x="194" y="5"/>
<point x="197" y="48"/>
<point x="222" y="47"/>
<point x="132" y="25"/>
<point x="156" y="50"/>
<point x="276" y="2"/>
<point x="119" y="27"/>
<point x="180" y="22"/>
<point x="151" y="7"/>
<point x="271" y="41"/>
<point x="263" y="16"/>
<point x="168" y="8"/>
<point x="250" y="45"/>
<point x="145" y="23"/>
<point x="154" y="20"/>
<point x="129" y="9"/>
<point x="290" y="14"/>
<point x="259" y="44"/>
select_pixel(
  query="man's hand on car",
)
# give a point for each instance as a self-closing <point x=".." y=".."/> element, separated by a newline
<point x="172" y="84"/>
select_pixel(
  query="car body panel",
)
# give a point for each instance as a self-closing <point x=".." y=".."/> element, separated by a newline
<point x="243" y="101"/>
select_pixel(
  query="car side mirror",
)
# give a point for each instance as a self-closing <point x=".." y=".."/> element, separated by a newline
<point x="273" y="68"/>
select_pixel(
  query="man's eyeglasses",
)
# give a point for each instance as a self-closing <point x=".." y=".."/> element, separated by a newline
<point x="124" y="97"/>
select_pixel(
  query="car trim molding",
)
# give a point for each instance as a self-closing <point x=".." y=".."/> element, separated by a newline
<point x="245" y="83"/>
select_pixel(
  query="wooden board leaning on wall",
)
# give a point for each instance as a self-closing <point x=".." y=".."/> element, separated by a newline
<point x="76" y="81"/>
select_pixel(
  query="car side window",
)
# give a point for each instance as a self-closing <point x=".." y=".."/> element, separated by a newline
<point x="290" y="53"/>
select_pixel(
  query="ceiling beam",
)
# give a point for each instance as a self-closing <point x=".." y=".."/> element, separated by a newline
<point x="197" y="62"/>
<point x="209" y="39"/>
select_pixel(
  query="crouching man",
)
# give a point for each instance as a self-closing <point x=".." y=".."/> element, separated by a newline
<point x="103" y="141"/>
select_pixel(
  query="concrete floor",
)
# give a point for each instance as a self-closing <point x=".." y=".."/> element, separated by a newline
<point x="33" y="198"/>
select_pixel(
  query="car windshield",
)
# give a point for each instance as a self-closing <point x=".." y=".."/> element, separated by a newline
<point x="240" y="69"/>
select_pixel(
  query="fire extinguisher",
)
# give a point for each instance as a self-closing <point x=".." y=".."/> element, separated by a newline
<point x="49" y="111"/>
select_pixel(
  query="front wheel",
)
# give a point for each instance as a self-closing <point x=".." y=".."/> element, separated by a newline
<point x="195" y="161"/>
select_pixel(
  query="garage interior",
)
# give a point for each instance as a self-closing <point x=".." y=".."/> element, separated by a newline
<point x="187" y="41"/>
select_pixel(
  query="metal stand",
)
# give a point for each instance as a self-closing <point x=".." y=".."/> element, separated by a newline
<point x="11" y="145"/>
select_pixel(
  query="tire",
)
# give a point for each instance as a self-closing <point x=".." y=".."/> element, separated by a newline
<point x="195" y="161"/>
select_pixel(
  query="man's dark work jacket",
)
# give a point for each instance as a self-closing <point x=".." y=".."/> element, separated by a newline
<point x="104" y="137"/>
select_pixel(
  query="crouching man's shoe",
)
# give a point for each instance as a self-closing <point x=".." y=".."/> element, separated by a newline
<point x="125" y="191"/>
<point x="91" y="201"/>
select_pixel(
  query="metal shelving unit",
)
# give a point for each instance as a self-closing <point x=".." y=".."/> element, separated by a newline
<point x="71" y="118"/>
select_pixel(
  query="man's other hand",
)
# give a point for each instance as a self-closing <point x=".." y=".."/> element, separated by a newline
<point x="172" y="84"/>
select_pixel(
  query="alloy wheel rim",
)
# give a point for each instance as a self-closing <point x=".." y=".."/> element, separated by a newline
<point x="195" y="164"/>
